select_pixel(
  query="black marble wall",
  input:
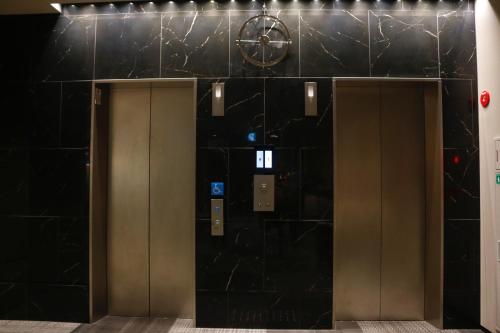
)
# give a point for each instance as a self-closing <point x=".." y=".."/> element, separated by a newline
<point x="269" y="270"/>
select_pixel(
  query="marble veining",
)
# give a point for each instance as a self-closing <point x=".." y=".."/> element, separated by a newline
<point x="135" y="50"/>
<point x="334" y="43"/>
<point x="44" y="145"/>
<point x="457" y="46"/>
<point x="267" y="271"/>
<point x="190" y="41"/>
<point x="69" y="51"/>
<point x="403" y="44"/>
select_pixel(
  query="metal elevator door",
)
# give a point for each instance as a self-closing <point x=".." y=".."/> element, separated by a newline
<point x="379" y="202"/>
<point x="151" y="184"/>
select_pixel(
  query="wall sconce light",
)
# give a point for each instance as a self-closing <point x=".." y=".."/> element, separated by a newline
<point x="217" y="99"/>
<point x="311" y="98"/>
<point x="57" y="6"/>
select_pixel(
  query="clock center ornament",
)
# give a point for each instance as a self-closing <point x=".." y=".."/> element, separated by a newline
<point x="264" y="40"/>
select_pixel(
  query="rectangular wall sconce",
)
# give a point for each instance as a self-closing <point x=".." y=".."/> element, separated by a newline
<point x="311" y="99"/>
<point x="57" y="6"/>
<point x="217" y="99"/>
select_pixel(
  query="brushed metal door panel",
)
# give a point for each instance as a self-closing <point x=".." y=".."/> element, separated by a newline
<point x="357" y="233"/>
<point x="403" y="202"/>
<point x="128" y="202"/>
<point x="172" y="195"/>
<point x="434" y="205"/>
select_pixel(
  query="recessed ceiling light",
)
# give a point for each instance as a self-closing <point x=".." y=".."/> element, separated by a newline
<point x="57" y="6"/>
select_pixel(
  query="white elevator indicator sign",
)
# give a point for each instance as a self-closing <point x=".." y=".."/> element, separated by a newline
<point x="264" y="159"/>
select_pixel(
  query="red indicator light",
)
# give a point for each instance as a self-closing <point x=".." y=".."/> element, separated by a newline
<point x="456" y="159"/>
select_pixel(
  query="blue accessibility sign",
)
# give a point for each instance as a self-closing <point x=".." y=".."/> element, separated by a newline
<point x="217" y="188"/>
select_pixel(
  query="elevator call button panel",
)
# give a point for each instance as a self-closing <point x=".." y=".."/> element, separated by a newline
<point x="263" y="193"/>
<point x="217" y="217"/>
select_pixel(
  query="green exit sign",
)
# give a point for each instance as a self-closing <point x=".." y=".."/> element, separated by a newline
<point x="498" y="178"/>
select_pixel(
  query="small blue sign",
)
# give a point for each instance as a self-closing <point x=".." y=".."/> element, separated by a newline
<point x="252" y="137"/>
<point x="217" y="188"/>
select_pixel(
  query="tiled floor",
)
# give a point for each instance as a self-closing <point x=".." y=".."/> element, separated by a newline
<point x="14" y="326"/>
<point x="113" y="324"/>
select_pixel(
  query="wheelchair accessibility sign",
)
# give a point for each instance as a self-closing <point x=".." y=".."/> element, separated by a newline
<point x="217" y="188"/>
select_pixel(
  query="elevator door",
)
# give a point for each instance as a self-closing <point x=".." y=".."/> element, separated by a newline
<point x="380" y="202"/>
<point x="151" y="200"/>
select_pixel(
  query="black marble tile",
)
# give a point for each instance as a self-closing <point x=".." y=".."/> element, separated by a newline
<point x="457" y="44"/>
<point x="334" y="43"/>
<point x="45" y="115"/>
<point x="57" y="250"/>
<point x="13" y="249"/>
<point x="13" y="301"/>
<point x="461" y="184"/>
<point x="458" y="114"/>
<point x="242" y="168"/>
<point x="475" y="115"/>
<point x="280" y="310"/>
<point x="75" y="114"/>
<point x="190" y="6"/>
<point x="461" y="310"/>
<point x="135" y="50"/>
<point x="264" y="310"/>
<point x="64" y="48"/>
<point x="461" y="253"/>
<point x="436" y="5"/>
<point x="110" y="8"/>
<point x="244" y="114"/>
<point x="286" y="171"/>
<point x="195" y="44"/>
<point x="73" y="251"/>
<point x="287" y="125"/>
<point x="58" y="303"/>
<point x="14" y="177"/>
<point x="316" y="184"/>
<point x="231" y="262"/>
<point x="358" y="5"/>
<point x="212" y="165"/>
<point x="15" y="59"/>
<point x="15" y="103"/>
<point x="317" y="311"/>
<point x="299" y="256"/>
<point x="289" y="66"/>
<point x="43" y="250"/>
<point x="59" y="182"/>
<point x="403" y="44"/>
<point x="211" y="309"/>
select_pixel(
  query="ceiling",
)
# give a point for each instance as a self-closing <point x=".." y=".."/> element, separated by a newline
<point x="10" y="7"/>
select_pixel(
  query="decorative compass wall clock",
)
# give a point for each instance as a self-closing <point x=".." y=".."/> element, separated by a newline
<point x="264" y="40"/>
